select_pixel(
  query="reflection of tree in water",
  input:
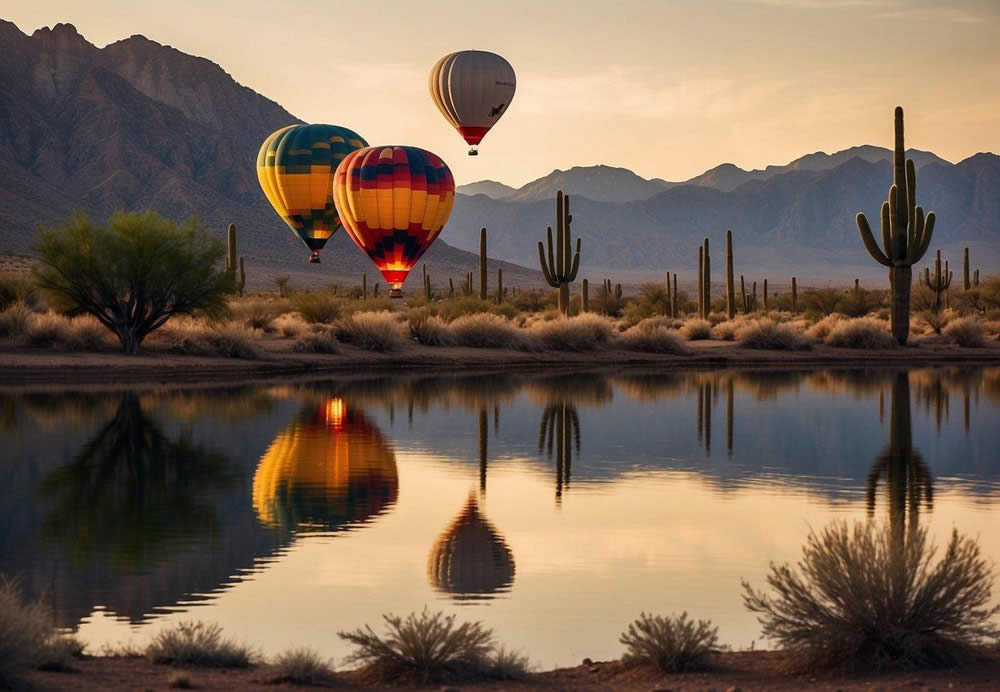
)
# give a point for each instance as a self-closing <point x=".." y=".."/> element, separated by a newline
<point x="330" y="469"/>
<point x="908" y="479"/>
<point x="558" y="432"/>
<point x="471" y="559"/>
<point x="131" y="491"/>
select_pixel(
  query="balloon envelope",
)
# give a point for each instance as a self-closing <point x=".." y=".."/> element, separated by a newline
<point x="472" y="89"/>
<point x="393" y="202"/>
<point x="295" y="167"/>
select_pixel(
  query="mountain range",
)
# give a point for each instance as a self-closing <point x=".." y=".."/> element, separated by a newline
<point x="138" y="125"/>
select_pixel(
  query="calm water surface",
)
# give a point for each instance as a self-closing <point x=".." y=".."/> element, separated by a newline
<point x="553" y="508"/>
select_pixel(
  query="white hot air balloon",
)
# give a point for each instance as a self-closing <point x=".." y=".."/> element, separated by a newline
<point x="472" y="89"/>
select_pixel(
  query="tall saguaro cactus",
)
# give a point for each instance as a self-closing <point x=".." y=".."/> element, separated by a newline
<point x="707" y="277"/>
<point x="482" y="263"/>
<point x="940" y="283"/>
<point x="795" y="297"/>
<point x="906" y="234"/>
<point x="562" y="266"/>
<point x="240" y="278"/>
<point x="586" y="296"/>
<point x="730" y="283"/>
<point x="965" y="271"/>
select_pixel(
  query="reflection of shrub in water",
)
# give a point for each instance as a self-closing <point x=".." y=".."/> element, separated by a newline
<point x="866" y="598"/>
<point x="131" y="490"/>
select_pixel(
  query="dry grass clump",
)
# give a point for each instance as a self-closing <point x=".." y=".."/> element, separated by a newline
<point x="966" y="331"/>
<point x="317" y="307"/>
<point x="258" y="313"/>
<point x="289" y="325"/>
<point x="15" y="318"/>
<point x="302" y="667"/>
<point x="861" y="332"/>
<point x="715" y="318"/>
<point x="674" y="644"/>
<point x="372" y="331"/>
<point x="586" y="332"/>
<point x="201" y="644"/>
<point x="869" y="597"/>
<point x="28" y="639"/>
<point x="47" y="329"/>
<point x="650" y="336"/>
<point x="429" y="330"/>
<point x="821" y="329"/>
<point x="726" y="331"/>
<point x="767" y="334"/>
<point x="485" y="330"/>
<point x="431" y="646"/>
<point x="195" y="337"/>
<point x="697" y="329"/>
<point x="324" y="341"/>
<point x="82" y="333"/>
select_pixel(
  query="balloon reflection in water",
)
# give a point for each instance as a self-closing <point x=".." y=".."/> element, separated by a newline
<point x="471" y="560"/>
<point x="329" y="469"/>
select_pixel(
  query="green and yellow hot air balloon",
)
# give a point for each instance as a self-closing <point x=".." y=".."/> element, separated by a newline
<point x="295" y="167"/>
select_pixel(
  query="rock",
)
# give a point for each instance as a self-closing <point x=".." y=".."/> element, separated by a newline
<point x="587" y="662"/>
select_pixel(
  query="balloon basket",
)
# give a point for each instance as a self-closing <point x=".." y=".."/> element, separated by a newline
<point x="473" y="151"/>
<point x="395" y="293"/>
<point x="314" y="258"/>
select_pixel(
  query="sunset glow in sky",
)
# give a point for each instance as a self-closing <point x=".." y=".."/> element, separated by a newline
<point x="667" y="89"/>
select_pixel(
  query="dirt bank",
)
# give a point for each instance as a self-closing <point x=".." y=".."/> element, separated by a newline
<point x="20" y="366"/>
<point x="745" y="671"/>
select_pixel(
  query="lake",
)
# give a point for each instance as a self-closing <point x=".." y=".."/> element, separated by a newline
<point x="554" y="508"/>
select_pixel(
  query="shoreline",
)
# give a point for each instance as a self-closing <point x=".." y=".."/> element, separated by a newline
<point x="24" y="367"/>
<point x="744" y="670"/>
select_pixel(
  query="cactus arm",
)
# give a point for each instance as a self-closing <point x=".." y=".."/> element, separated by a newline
<point x="885" y="228"/>
<point x="576" y="263"/>
<point x="868" y="239"/>
<point x="552" y="259"/>
<point x="925" y="241"/>
<point x="541" y="261"/>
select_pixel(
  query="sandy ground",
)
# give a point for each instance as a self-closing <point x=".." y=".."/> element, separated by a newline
<point x="743" y="671"/>
<point x="31" y="366"/>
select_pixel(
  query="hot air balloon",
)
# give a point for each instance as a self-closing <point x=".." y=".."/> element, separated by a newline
<point x="393" y="202"/>
<point x="329" y="470"/>
<point x="472" y="89"/>
<point x="295" y="167"/>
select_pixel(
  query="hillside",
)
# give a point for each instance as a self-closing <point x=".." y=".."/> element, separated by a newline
<point x="138" y="125"/>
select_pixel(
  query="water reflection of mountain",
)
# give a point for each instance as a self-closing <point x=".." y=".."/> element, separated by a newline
<point x="330" y="469"/>
<point x="126" y="507"/>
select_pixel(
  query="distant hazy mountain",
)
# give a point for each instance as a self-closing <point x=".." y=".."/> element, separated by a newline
<point x="138" y="125"/>
<point x="490" y="188"/>
<point x="599" y="183"/>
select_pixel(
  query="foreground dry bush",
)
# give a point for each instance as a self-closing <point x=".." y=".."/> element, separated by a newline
<point x="869" y="597"/>
<point x="696" y="329"/>
<point x="649" y="336"/>
<point x="586" y="332"/>
<point x="432" y="647"/>
<point x="258" y="313"/>
<point x="967" y="331"/>
<point x="14" y="319"/>
<point x="302" y="667"/>
<point x="674" y="644"/>
<point x="726" y="330"/>
<point x="428" y="329"/>
<point x="82" y="333"/>
<point x="289" y="326"/>
<point x="197" y="643"/>
<point x="316" y="342"/>
<point x="28" y="639"/>
<point x="821" y="329"/>
<point x="768" y="334"/>
<point x="372" y="331"/>
<point x="195" y="337"/>
<point x="485" y="330"/>
<point x="861" y="332"/>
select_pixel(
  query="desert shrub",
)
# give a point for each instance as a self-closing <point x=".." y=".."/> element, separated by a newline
<point x="134" y="274"/>
<point x="195" y="337"/>
<point x="861" y="332"/>
<point x="649" y="336"/>
<point x="768" y="334"/>
<point x="372" y="331"/>
<point x="936" y="320"/>
<point x="696" y="329"/>
<point x="535" y="300"/>
<point x="59" y="652"/>
<point x="16" y="287"/>
<point x="967" y="331"/>
<point x="321" y="308"/>
<point x="302" y="667"/>
<point x="429" y="330"/>
<point x="82" y="333"/>
<point x="821" y="329"/>
<point x="506" y="664"/>
<point x="201" y="644"/>
<point x="14" y="320"/>
<point x="485" y="330"/>
<point x="258" y="313"/>
<point x="586" y="332"/>
<point x="47" y="329"/>
<point x="715" y="318"/>
<point x="820" y="301"/>
<point x="726" y="331"/>
<point x="24" y="630"/>
<point x="316" y="342"/>
<point x="674" y="644"/>
<point x="870" y="597"/>
<point x="651" y="302"/>
<point x="856" y="304"/>
<point x="380" y="304"/>
<point x="289" y="325"/>
<point x="430" y="645"/>
<point x="465" y="305"/>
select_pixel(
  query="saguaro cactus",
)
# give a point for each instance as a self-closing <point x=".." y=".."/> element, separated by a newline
<point x="364" y="286"/>
<point x="701" y="279"/>
<point x="765" y="295"/>
<point x="673" y="299"/>
<point x="668" y="310"/>
<point x="586" y="296"/>
<point x="940" y="283"/>
<point x="482" y="263"/>
<point x="240" y="279"/>
<point x="965" y="271"/>
<point x="451" y="288"/>
<point x="500" y="293"/>
<point x="730" y="283"/>
<point x="976" y="278"/>
<point x="795" y="297"/>
<point x="707" y="277"/>
<point x="906" y="235"/>
<point x="561" y="268"/>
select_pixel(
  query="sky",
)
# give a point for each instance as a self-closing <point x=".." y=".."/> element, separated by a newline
<point x="665" y="88"/>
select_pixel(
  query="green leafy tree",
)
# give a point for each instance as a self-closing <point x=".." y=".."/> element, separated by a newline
<point x="134" y="274"/>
